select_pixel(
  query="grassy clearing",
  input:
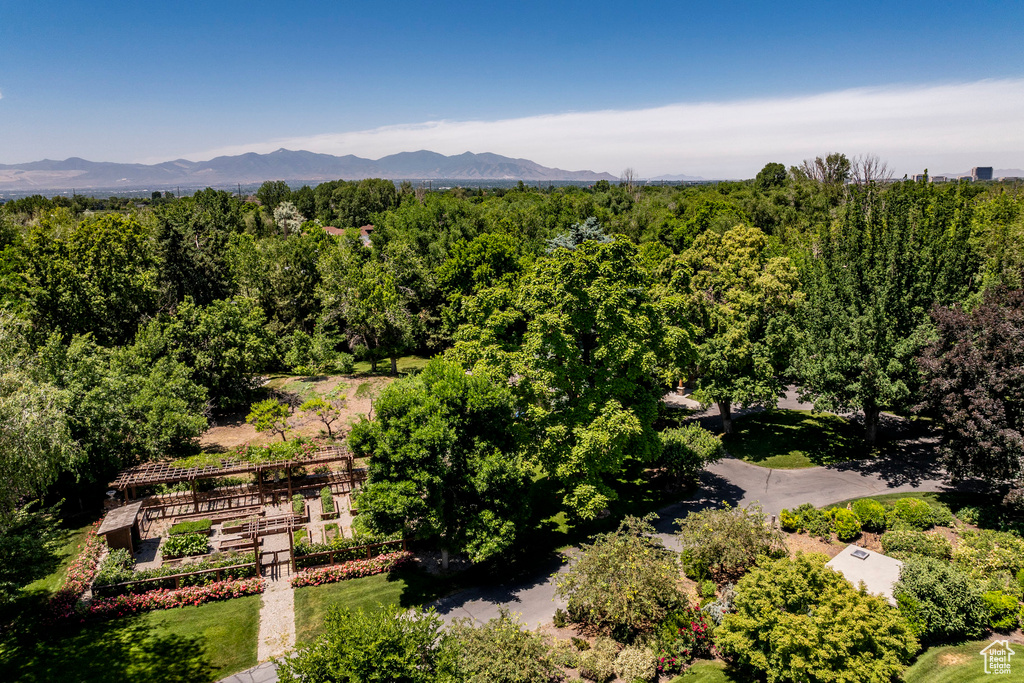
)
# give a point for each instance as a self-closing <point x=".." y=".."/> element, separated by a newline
<point x="405" y="587"/>
<point x="706" y="672"/>
<point x="50" y="583"/>
<point x="203" y="643"/>
<point x="790" y="439"/>
<point x="956" y="664"/>
<point x="406" y="365"/>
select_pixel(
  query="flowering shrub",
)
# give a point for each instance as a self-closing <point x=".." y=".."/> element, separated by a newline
<point x="118" y="569"/>
<point x="635" y="663"/>
<point x="124" y="605"/>
<point x="351" y="570"/>
<point x="354" y="548"/>
<point x="78" y="578"/>
<point x="684" y="636"/>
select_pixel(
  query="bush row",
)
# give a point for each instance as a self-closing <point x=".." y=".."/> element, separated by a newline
<point x="351" y="570"/>
<point x="125" y="605"/>
<point x="119" y="567"/>
<point x="64" y="603"/>
<point x="906" y="514"/>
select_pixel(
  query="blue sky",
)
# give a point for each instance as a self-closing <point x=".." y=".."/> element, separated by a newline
<point x="119" y="81"/>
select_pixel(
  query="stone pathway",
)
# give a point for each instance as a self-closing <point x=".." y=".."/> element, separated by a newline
<point x="277" y="615"/>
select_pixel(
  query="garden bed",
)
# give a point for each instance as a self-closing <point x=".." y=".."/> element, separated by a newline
<point x="351" y="570"/>
<point x="124" y="605"/>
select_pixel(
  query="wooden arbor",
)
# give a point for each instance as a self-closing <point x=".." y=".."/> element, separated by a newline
<point x="164" y="472"/>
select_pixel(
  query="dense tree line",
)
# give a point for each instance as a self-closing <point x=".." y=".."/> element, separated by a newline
<point x="578" y="307"/>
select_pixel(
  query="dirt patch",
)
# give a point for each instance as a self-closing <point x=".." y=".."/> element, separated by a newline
<point x="953" y="659"/>
<point x="809" y="544"/>
<point x="230" y="430"/>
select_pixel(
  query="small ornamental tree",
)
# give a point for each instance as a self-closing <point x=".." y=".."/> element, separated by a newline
<point x="269" y="416"/>
<point x="327" y="411"/>
<point x="387" y="645"/>
<point x="686" y="451"/>
<point x="797" y="620"/>
<point x="724" y="543"/>
<point x="625" y="581"/>
<point x="502" y="650"/>
<point x="941" y="602"/>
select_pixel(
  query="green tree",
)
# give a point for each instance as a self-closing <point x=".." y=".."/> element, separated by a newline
<point x="687" y="450"/>
<point x="444" y="462"/>
<point x="270" y="416"/>
<point x="771" y="176"/>
<point x="327" y="410"/>
<point x="725" y="543"/>
<point x="870" y="280"/>
<point x="797" y="620"/>
<point x="583" y="342"/>
<point x="941" y="602"/>
<point x="190" y="241"/>
<point x="35" y="442"/>
<point x="272" y="192"/>
<point x="98" y="276"/>
<point x="741" y="302"/>
<point x="624" y="581"/>
<point x="385" y="645"/>
<point x="224" y="345"/>
<point x="502" y="651"/>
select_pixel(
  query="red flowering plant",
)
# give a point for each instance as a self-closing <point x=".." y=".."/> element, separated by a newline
<point x="64" y="603"/>
<point x="351" y="570"/>
<point x="683" y="636"/>
<point x="124" y="605"/>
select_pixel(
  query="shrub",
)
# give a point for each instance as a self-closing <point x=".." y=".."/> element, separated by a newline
<point x="389" y="643"/>
<point x="808" y="518"/>
<point x="941" y="602"/>
<point x="115" y="569"/>
<point x="625" y="580"/>
<point x="197" y="526"/>
<point x="717" y="609"/>
<point x="903" y="544"/>
<point x="983" y="553"/>
<point x="564" y="654"/>
<point x="124" y="605"/>
<point x="941" y="515"/>
<point x="298" y="504"/>
<point x="502" y="650"/>
<point x="561" y="619"/>
<point x="184" y="545"/>
<point x="707" y="589"/>
<point x="871" y="514"/>
<point x="79" y="575"/>
<point x="635" y="663"/>
<point x="1003" y="610"/>
<point x="969" y="515"/>
<point x="789" y="521"/>
<point x="327" y="500"/>
<point x="355" y="569"/>
<point x="683" y="636"/>
<point x="725" y="542"/>
<point x="598" y="662"/>
<point x="912" y="513"/>
<point x="845" y="524"/>
<point x="686" y="451"/>
<point x="798" y="620"/>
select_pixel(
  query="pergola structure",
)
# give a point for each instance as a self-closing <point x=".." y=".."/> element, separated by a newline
<point x="165" y="472"/>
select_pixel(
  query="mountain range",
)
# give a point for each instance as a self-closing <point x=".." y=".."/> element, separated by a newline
<point x="296" y="166"/>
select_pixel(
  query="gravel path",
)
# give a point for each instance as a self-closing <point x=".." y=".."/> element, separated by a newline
<point x="277" y="619"/>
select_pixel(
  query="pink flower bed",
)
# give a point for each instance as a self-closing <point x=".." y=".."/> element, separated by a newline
<point x="79" y="576"/>
<point x="124" y="605"/>
<point x="351" y="570"/>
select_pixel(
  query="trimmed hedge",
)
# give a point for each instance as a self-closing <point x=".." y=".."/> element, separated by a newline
<point x="871" y="514"/>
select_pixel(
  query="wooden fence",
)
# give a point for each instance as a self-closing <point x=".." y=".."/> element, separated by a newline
<point x="347" y="553"/>
<point x="219" y="571"/>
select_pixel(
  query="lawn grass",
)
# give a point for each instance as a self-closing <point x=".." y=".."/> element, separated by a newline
<point x="707" y="672"/>
<point x="203" y="643"/>
<point x="404" y="587"/>
<point x="49" y="584"/>
<point x="957" y="664"/>
<point x="406" y="365"/>
<point x="791" y="439"/>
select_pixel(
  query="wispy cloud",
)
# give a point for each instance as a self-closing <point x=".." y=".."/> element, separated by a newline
<point x="946" y="128"/>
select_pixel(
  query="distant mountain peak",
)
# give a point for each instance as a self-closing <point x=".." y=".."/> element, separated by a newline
<point x="281" y="164"/>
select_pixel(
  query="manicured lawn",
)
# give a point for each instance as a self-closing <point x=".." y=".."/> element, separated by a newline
<point x="706" y="672"/>
<point x="405" y="587"/>
<point x="203" y="643"/>
<point x="958" y="664"/>
<point x="406" y="364"/>
<point x="50" y="583"/>
<point x="789" y="439"/>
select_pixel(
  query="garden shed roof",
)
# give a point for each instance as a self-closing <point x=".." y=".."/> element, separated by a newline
<point x="120" y="518"/>
<point x="878" y="572"/>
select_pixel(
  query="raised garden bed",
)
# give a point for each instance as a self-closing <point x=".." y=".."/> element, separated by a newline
<point x="329" y="511"/>
<point x="185" y="545"/>
<point x="331" y="531"/>
<point x="300" y="508"/>
<point x="235" y="526"/>
<point x="198" y="526"/>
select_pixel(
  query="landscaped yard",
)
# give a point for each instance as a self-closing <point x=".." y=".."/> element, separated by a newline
<point x="957" y="664"/>
<point x="405" y="587"/>
<point x="706" y="672"/>
<point x="789" y="439"/>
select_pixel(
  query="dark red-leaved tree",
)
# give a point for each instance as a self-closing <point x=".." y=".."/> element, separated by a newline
<point x="973" y="381"/>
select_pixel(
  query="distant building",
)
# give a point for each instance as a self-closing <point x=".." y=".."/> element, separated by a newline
<point x="966" y="178"/>
<point x="364" y="234"/>
<point x="939" y="178"/>
<point x="919" y="177"/>
<point x="331" y="230"/>
<point x="981" y="173"/>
